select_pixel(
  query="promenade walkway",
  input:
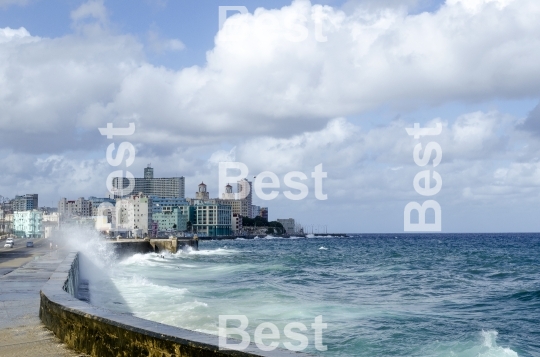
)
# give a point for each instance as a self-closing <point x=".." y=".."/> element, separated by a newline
<point x="23" y="271"/>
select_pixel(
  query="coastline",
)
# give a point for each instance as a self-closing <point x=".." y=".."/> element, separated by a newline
<point x="99" y="332"/>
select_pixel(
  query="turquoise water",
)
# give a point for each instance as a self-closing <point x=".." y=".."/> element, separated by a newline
<point x="463" y="295"/>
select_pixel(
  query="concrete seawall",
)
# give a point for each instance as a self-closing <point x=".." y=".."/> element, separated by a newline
<point x="99" y="332"/>
<point x="126" y="247"/>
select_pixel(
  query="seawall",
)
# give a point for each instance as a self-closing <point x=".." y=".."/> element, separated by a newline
<point x="100" y="332"/>
<point x="126" y="247"/>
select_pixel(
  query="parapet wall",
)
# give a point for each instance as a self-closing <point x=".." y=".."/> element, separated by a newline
<point x="125" y="247"/>
<point x="99" y="332"/>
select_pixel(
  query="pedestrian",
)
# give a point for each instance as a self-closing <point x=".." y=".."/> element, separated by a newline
<point x="50" y="245"/>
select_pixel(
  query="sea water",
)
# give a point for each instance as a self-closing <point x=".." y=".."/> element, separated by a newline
<point x="463" y="295"/>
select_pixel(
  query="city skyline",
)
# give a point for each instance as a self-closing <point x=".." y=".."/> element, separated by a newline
<point x="280" y="103"/>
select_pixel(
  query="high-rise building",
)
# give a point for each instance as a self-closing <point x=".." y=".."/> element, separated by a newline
<point x="245" y="192"/>
<point x="150" y="186"/>
<point x="255" y="210"/>
<point x="27" y="202"/>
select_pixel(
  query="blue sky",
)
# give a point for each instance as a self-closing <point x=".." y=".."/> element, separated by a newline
<point x="198" y="98"/>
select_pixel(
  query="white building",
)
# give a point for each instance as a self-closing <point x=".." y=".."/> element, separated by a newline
<point x="28" y="224"/>
<point x="134" y="213"/>
<point x="50" y="222"/>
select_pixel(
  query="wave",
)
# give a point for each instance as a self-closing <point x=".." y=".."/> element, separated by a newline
<point x="526" y="295"/>
<point x="148" y="259"/>
<point x="323" y="248"/>
<point x="218" y="251"/>
<point x="486" y="347"/>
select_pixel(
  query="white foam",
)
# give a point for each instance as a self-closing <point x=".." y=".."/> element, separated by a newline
<point x="218" y="251"/>
<point x="487" y="347"/>
<point x="490" y="343"/>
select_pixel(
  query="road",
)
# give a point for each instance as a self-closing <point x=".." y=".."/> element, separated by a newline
<point x="13" y="258"/>
<point x="23" y="271"/>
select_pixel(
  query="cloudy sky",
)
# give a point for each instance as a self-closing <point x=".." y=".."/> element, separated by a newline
<point x="284" y="87"/>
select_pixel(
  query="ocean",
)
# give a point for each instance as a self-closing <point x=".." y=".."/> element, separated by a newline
<point x="460" y="295"/>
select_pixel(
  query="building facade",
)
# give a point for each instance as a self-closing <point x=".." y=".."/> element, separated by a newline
<point x="213" y="219"/>
<point x="6" y="222"/>
<point x="134" y="213"/>
<point x="96" y="202"/>
<point x="26" y="202"/>
<point x="237" y="226"/>
<point x="170" y="219"/>
<point x="202" y="194"/>
<point x="77" y="208"/>
<point x="50" y="223"/>
<point x="237" y="206"/>
<point x="149" y="185"/>
<point x="28" y="224"/>
<point x="245" y="192"/>
<point x="159" y="203"/>
<point x="288" y="225"/>
<point x="263" y="212"/>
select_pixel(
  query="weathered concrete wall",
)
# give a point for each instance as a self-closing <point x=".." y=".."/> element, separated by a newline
<point x="173" y="244"/>
<point x="102" y="333"/>
<point x="129" y="247"/>
<point x="126" y="247"/>
<point x="160" y="245"/>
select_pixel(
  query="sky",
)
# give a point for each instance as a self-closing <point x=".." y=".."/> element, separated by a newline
<point x="282" y="87"/>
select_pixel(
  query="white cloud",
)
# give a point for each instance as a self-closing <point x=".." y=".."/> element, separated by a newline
<point x="9" y="34"/>
<point x="6" y="3"/>
<point x="264" y="82"/>
<point x="476" y="5"/>
<point x="93" y="9"/>
<point x="274" y="100"/>
<point x="160" y="45"/>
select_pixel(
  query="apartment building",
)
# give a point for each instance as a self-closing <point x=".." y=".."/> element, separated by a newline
<point x="149" y="185"/>
<point x="28" y="224"/>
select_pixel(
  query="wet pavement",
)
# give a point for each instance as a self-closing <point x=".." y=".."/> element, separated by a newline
<point x="23" y="271"/>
